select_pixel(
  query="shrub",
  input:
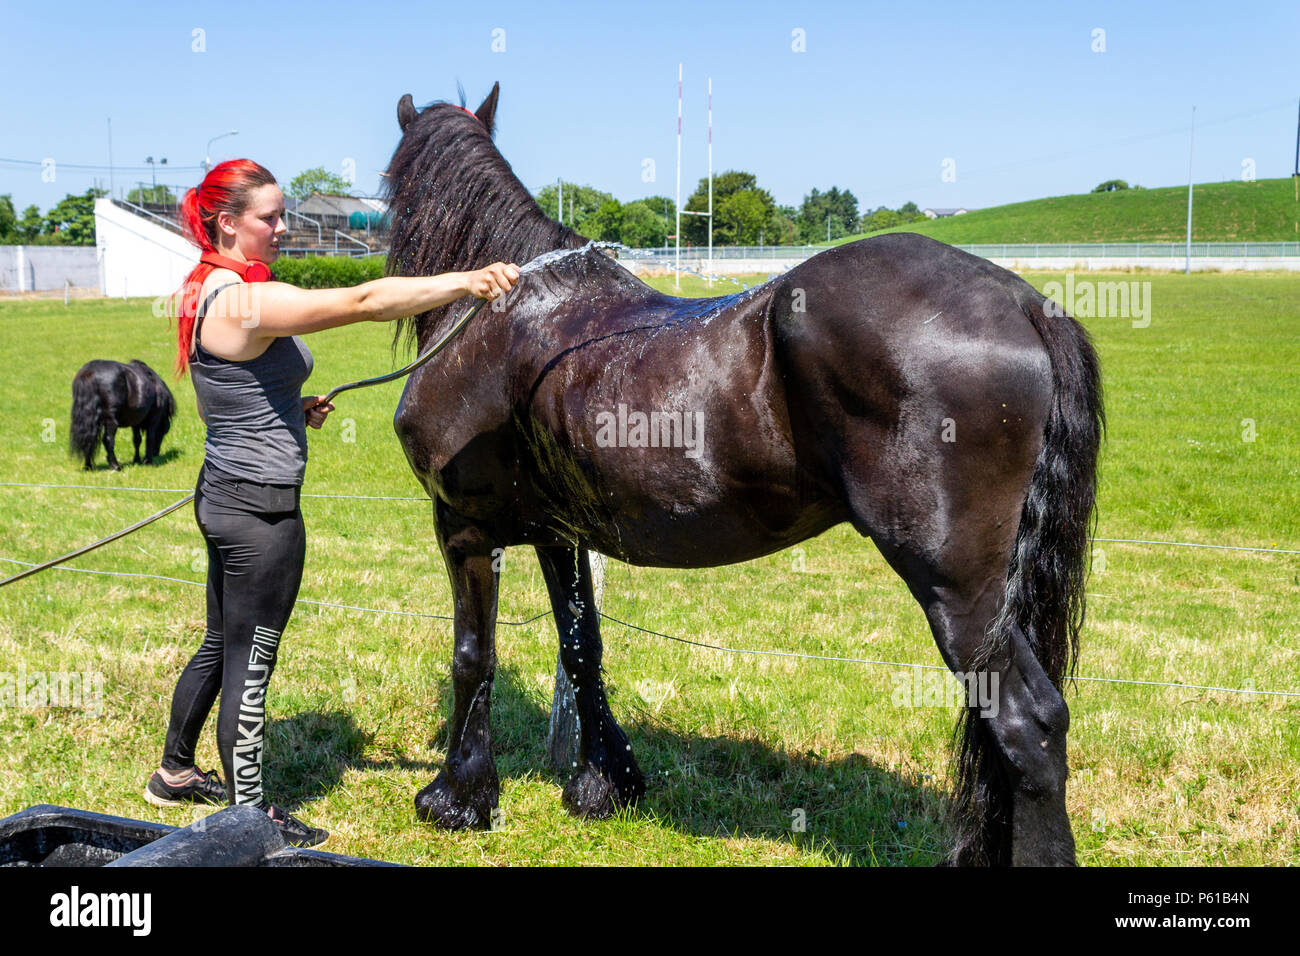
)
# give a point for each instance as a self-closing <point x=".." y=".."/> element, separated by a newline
<point x="328" y="272"/>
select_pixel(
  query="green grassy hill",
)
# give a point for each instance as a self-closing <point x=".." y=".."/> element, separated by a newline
<point x="1263" y="211"/>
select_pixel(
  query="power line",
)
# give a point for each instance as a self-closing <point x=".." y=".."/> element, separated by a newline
<point x="97" y="167"/>
<point x="178" y="491"/>
<point x="1075" y="151"/>
<point x="1191" y="544"/>
<point x="181" y="491"/>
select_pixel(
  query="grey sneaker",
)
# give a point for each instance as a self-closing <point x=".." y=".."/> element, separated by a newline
<point x="295" y="832"/>
<point x="200" y="788"/>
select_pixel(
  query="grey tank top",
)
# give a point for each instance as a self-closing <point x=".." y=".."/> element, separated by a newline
<point x="256" y="426"/>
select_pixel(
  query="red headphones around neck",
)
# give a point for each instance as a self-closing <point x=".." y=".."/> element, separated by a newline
<point x="251" y="271"/>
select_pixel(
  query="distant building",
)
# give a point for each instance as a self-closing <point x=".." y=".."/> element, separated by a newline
<point x="943" y="213"/>
<point x="341" y="212"/>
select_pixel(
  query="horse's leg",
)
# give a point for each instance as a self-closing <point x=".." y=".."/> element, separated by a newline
<point x="135" y="439"/>
<point x="465" y="793"/>
<point x="606" y="776"/>
<point x="562" y="731"/>
<point x="954" y="554"/>
<point x="153" y="438"/>
<point x="110" y="435"/>
<point x="1012" y="768"/>
<point x="949" y="516"/>
<point x="1011" y="802"/>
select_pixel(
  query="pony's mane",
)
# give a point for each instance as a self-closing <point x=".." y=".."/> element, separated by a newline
<point x="456" y="205"/>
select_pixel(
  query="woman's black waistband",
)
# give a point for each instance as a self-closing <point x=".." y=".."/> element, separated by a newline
<point x="245" y="493"/>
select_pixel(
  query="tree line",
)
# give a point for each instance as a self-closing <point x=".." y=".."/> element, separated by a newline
<point x="70" y="222"/>
<point x="743" y="214"/>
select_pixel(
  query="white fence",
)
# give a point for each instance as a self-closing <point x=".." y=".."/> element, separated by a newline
<point x="1025" y="256"/>
<point x="1011" y="250"/>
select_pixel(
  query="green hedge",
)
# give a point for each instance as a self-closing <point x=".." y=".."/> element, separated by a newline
<point x="328" y="272"/>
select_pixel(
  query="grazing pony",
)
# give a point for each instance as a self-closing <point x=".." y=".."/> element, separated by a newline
<point x="936" y="402"/>
<point x="108" y="395"/>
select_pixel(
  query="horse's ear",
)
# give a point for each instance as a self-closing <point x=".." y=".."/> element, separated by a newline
<point x="405" y="111"/>
<point x="487" y="113"/>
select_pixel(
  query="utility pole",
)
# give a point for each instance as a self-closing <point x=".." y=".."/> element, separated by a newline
<point x="110" y="156"/>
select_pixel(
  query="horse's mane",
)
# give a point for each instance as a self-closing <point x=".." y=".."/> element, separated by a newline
<point x="456" y="205"/>
<point x="584" y="271"/>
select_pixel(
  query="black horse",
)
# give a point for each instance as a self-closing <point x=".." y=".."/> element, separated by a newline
<point x="933" y="400"/>
<point x="108" y="395"/>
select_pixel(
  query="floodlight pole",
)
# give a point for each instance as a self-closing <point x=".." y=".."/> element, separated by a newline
<point x="677" y="261"/>
<point x="677" y="238"/>
<point x="207" y="152"/>
<point x="1191" y="152"/>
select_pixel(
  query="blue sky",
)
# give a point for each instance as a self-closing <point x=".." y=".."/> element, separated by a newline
<point x="881" y="95"/>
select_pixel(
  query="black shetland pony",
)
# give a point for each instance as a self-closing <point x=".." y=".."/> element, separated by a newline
<point x="108" y="395"/>
<point x="933" y="400"/>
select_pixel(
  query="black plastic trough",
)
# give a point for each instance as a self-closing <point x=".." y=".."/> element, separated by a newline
<point x="46" y="835"/>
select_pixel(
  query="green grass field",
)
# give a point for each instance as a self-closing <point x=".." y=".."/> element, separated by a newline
<point x="1262" y="211"/>
<point x="733" y="746"/>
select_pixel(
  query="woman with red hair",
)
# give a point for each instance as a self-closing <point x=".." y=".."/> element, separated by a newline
<point x="248" y="366"/>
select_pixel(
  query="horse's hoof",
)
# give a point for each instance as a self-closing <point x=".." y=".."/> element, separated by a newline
<point x="436" y="804"/>
<point x="591" y="796"/>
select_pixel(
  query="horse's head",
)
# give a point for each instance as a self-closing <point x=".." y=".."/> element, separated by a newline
<point x="454" y="202"/>
<point x="445" y="156"/>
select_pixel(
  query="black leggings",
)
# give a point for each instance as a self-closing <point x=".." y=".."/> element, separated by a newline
<point x="255" y="560"/>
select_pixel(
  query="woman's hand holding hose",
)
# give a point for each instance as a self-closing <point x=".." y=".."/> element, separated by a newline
<point x="488" y="283"/>
<point x="493" y="281"/>
<point x="316" y="413"/>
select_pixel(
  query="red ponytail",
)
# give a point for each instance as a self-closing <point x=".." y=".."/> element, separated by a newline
<point x="225" y="189"/>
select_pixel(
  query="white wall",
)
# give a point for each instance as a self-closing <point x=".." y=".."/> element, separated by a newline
<point x="138" y="257"/>
<point x="42" y="268"/>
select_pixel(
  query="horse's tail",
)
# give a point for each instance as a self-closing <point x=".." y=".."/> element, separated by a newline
<point x="167" y="405"/>
<point x="168" y="401"/>
<point x="1044" y="595"/>
<point x="84" y="434"/>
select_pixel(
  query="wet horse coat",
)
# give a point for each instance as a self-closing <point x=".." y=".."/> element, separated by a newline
<point x="924" y="395"/>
